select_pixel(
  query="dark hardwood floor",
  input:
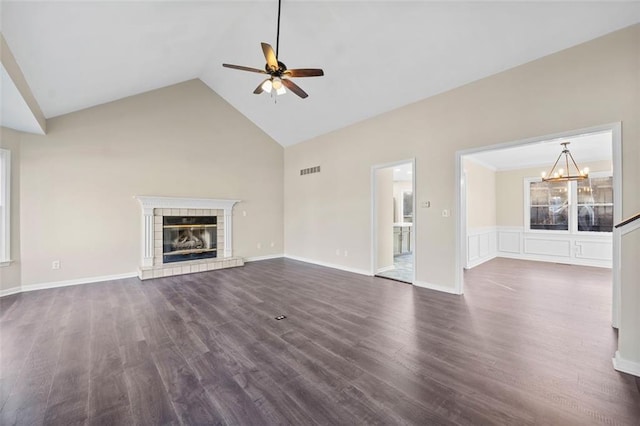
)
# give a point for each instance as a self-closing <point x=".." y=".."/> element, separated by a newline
<point x="528" y="343"/>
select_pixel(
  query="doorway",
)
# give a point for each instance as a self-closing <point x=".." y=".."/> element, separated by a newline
<point x="393" y="221"/>
<point x="561" y="222"/>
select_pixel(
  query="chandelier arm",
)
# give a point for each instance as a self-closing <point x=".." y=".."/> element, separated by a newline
<point x="278" y="32"/>
<point x="554" y="166"/>
<point x="575" y="165"/>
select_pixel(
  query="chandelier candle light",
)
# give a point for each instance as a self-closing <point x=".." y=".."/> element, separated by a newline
<point x="564" y="175"/>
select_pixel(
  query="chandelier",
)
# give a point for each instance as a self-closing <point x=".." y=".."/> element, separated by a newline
<point x="564" y="175"/>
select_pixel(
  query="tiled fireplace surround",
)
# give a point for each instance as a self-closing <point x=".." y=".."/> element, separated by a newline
<point x="153" y="210"/>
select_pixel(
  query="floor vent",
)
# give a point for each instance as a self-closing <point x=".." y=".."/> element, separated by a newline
<point x="310" y="170"/>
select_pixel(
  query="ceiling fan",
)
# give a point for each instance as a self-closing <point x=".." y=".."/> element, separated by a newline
<point x="279" y="75"/>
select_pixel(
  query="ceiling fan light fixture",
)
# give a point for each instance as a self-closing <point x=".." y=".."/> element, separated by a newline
<point x="267" y="86"/>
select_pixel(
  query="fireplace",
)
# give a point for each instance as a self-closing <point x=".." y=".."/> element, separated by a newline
<point x="185" y="236"/>
<point x="188" y="238"/>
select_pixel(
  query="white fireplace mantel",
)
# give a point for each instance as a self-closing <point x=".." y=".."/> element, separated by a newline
<point x="149" y="203"/>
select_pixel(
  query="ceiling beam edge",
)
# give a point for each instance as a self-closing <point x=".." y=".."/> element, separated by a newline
<point x="15" y="73"/>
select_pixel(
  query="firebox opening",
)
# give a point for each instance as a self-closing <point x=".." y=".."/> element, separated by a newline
<point x="188" y="238"/>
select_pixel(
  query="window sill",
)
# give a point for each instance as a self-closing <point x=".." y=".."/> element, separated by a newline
<point x="5" y="263"/>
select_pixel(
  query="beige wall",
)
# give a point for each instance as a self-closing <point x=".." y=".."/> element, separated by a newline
<point x="594" y="83"/>
<point x="10" y="275"/>
<point x="510" y="191"/>
<point x="384" y="213"/>
<point x="481" y="195"/>
<point x="78" y="181"/>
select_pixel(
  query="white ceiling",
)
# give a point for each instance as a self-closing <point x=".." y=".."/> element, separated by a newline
<point x="377" y="55"/>
<point x="583" y="148"/>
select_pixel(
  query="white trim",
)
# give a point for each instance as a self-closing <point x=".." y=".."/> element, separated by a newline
<point x="10" y="291"/>
<point x="330" y="265"/>
<point x="66" y="283"/>
<point x="616" y="148"/>
<point x="436" y="287"/>
<point x="482" y="163"/>
<point x="629" y="227"/>
<point x="267" y="257"/>
<point x="5" y="202"/>
<point x="5" y="263"/>
<point x="625" y="365"/>
<point x="386" y="269"/>
<point x="154" y="202"/>
<point x="374" y="219"/>
<point x="459" y="236"/>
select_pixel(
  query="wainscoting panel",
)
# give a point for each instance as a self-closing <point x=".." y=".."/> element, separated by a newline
<point x="509" y="241"/>
<point x="481" y="246"/>
<point x="587" y="250"/>
<point x="596" y="250"/>
<point x="547" y="246"/>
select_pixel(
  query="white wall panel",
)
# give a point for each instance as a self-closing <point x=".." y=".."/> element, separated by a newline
<point x="597" y="250"/>
<point x="509" y="241"/>
<point x="547" y="247"/>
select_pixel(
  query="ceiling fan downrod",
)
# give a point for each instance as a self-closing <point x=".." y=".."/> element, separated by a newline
<point x="278" y="31"/>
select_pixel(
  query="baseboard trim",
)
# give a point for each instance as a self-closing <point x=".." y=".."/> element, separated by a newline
<point x="329" y="265"/>
<point x="66" y="283"/>
<point x="10" y="291"/>
<point x="561" y="260"/>
<point x="626" y="366"/>
<point x="385" y="269"/>
<point x="480" y="261"/>
<point x="436" y="287"/>
<point x="267" y="257"/>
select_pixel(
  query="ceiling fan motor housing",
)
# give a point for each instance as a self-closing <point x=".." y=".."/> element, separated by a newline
<point x="278" y="72"/>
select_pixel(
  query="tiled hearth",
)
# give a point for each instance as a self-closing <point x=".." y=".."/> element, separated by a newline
<point x="153" y="211"/>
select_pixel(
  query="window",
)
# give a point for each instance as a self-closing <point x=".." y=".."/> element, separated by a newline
<point x="576" y="206"/>
<point x="549" y="206"/>
<point x="5" y="175"/>
<point x="595" y="204"/>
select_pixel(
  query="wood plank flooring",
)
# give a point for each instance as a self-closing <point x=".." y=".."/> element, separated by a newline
<point x="528" y="343"/>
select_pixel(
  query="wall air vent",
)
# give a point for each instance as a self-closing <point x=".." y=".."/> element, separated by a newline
<point x="310" y="170"/>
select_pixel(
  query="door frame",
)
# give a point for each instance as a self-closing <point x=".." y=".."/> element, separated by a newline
<point x="616" y="151"/>
<point x="374" y="214"/>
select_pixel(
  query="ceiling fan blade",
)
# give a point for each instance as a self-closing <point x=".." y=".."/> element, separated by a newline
<point x="294" y="88"/>
<point x="241" y="68"/>
<point x="305" y="72"/>
<point x="270" y="56"/>
<point x="259" y="89"/>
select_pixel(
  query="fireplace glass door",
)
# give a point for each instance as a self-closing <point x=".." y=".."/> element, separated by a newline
<point x="188" y="238"/>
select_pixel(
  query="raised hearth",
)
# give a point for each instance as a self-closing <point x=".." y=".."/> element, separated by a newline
<point x="185" y="235"/>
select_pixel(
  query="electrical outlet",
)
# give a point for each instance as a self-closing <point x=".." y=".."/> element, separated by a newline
<point x="445" y="213"/>
<point x="425" y="204"/>
<point x="337" y="252"/>
<point x="273" y="244"/>
<point x="259" y="246"/>
<point x="346" y="253"/>
<point x="55" y="264"/>
<point x="244" y="213"/>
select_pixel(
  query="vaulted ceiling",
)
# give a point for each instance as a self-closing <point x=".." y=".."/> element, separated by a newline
<point x="377" y="55"/>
